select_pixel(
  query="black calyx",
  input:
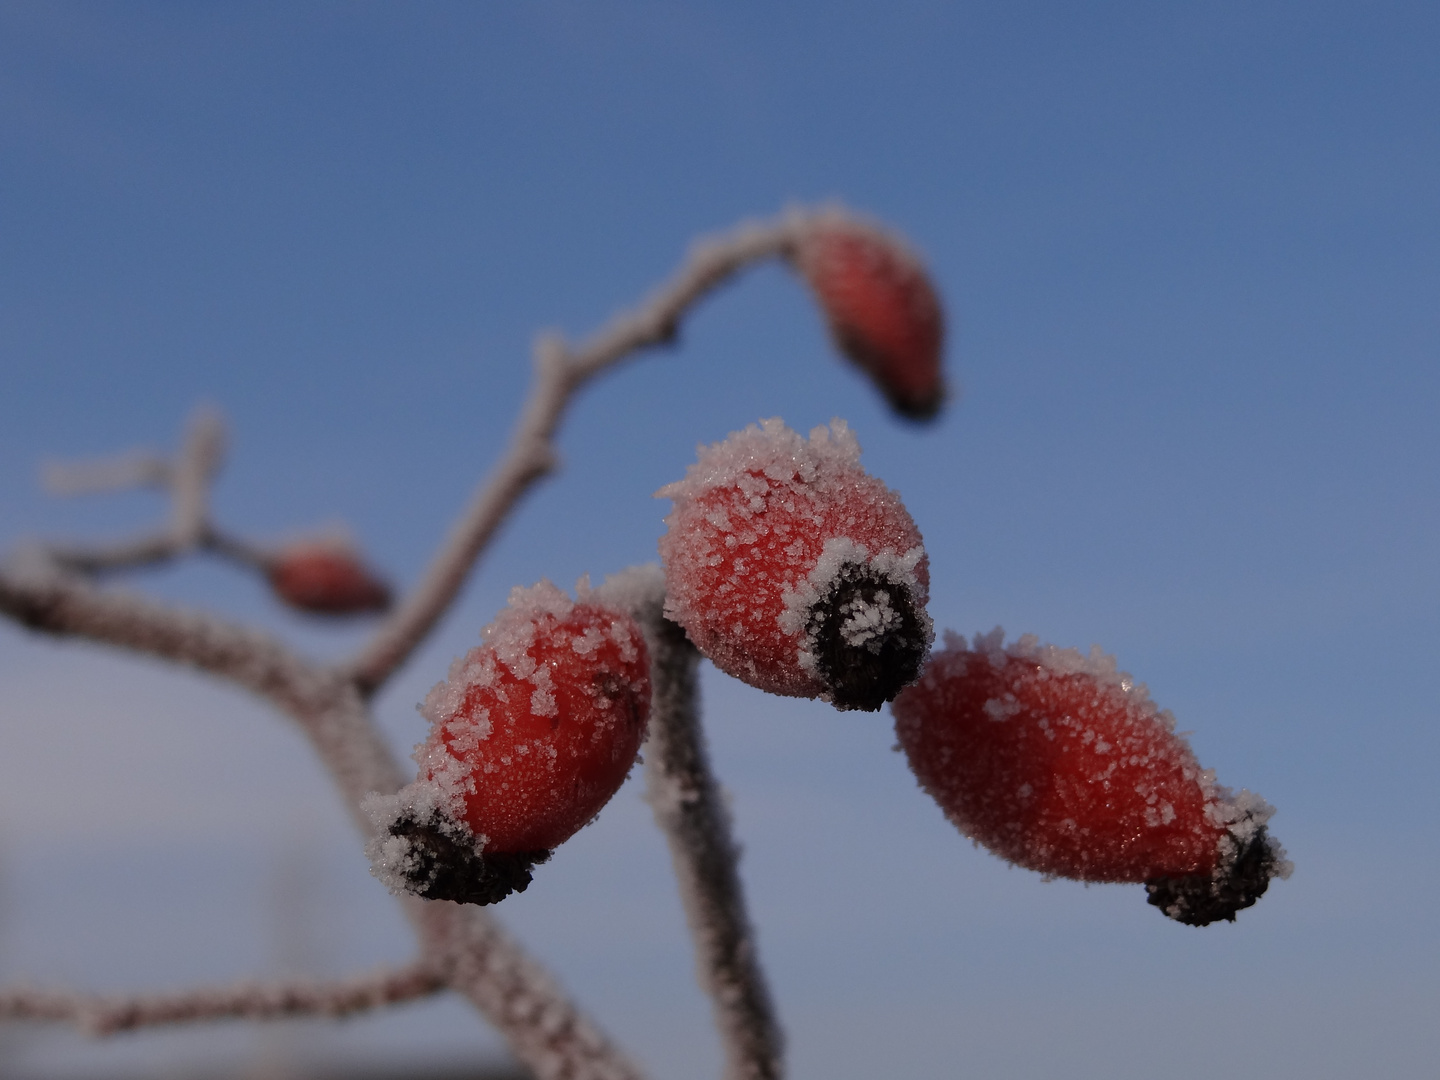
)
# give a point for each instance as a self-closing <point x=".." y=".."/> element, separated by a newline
<point x="1200" y="899"/>
<point x="919" y="408"/>
<point x="867" y="637"/>
<point x="916" y="405"/>
<point x="443" y="863"/>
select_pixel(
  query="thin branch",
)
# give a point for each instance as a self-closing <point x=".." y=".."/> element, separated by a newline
<point x="200" y="459"/>
<point x="690" y="809"/>
<point x="559" y="373"/>
<point x="156" y="548"/>
<point x="37" y="592"/>
<point x="236" y="548"/>
<point x="148" y="550"/>
<point x="543" y="1027"/>
<point x="188" y="478"/>
<point x="105" y="1014"/>
<point x="135" y="469"/>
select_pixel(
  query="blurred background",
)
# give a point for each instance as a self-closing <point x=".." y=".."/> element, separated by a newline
<point x="1190" y="256"/>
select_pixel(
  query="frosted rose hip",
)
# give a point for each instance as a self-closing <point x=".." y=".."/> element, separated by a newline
<point x="881" y="308"/>
<point x="1061" y="764"/>
<point x="327" y="578"/>
<point x="531" y="735"/>
<point x="792" y="569"/>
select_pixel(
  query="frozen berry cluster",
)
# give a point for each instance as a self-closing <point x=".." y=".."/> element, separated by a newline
<point x="792" y="569"/>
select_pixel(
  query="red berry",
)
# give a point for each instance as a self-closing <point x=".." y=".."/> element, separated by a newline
<point x="1061" y="764"/>
<point x="531" y="735"/>
<point x="327" y="578"/>
<point x="881" y="307"/>
<point x="794" y="570"/>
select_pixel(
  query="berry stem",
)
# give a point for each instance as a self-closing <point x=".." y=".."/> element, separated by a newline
<point x="689" y="808"/>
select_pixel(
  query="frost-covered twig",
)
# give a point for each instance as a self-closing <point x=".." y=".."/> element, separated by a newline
<point x="36" y="592"/>
<point x="187" y="478"/>
<point x="559" y="372"/>
<point x="200" y="459"/>
<point x="689" y="807"/>
<point x="105" y="1014"/>
<point x="118" y="472"/>
<point x="474" y="957"/>
<point x="544" y="1029"/>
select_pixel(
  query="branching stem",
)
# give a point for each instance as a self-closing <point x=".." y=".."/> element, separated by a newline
<point x="187" y="478"/>
<point x="50" y="589"/>
<point x="559" y="373"/>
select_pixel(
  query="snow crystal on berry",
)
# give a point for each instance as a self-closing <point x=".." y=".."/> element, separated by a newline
<point x="1061" y="763"/>
<point x="639" y="590"/>
<point x="769" y="449"/>
<point x="794" y="570"/>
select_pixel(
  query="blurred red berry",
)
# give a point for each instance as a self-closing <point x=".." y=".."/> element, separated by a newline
<point x="531" y="735"/>
<point x="326" y="578"/>
<point x="1060" y="763"/>
<point x="881" y="307"/>
<point x="792" y="569"/>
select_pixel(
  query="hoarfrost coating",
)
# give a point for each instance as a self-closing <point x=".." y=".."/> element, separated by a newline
<point x="795" y="571"/>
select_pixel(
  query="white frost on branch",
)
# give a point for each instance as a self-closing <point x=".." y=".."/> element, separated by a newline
<point x="122" y="472"/>
<point x="559" y="372"/>
<point x="106" y="1014"/>
<point x="187" y="477"/>
<point x="689" y="807"/>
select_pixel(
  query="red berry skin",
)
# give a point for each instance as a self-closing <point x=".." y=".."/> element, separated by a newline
<point x="538" y="727"/>
<point x="771" y="536"/>
<point x="326" y="578"/>
<point x="1061" y="764"/>
<point x="881" y="307"/>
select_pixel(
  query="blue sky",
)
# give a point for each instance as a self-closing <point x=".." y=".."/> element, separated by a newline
<point x="1190" y="257"/>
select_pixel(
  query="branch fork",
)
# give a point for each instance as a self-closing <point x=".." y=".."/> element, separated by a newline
<point x="52" y="588"/>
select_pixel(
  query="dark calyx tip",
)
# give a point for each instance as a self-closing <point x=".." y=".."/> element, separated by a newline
<point x="913" y="403"/>
<point x="869" y="641"/>
<point x="919" y="408"/>
<point x="1200" y="899"/>
<point x="444" y="864"/>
